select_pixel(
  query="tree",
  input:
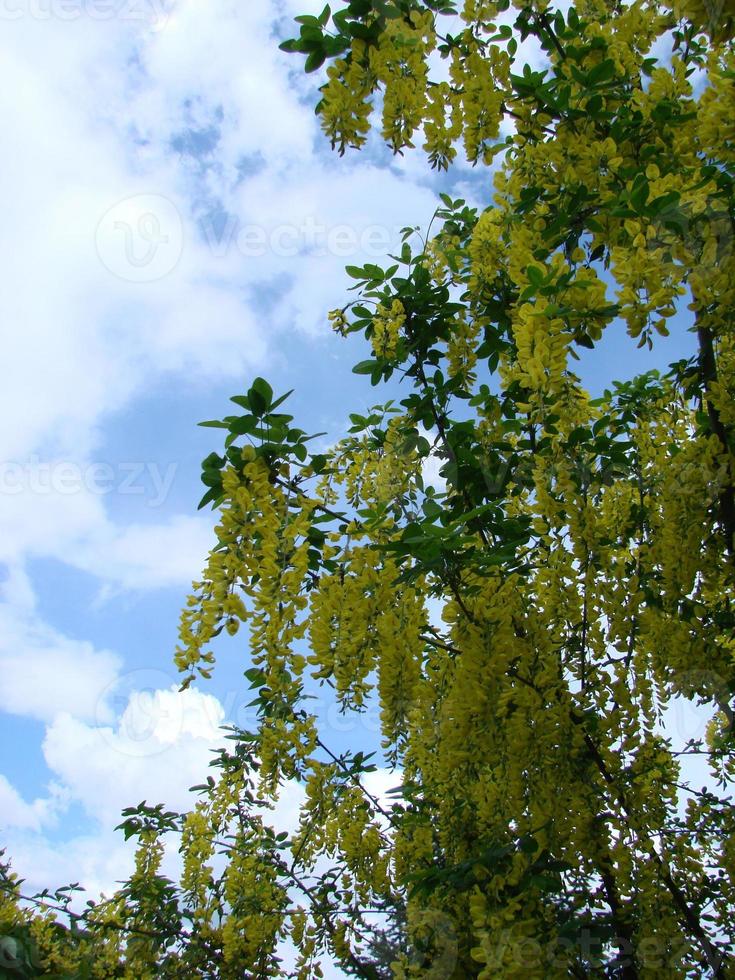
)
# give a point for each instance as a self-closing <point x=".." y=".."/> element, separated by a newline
<point x="581" y="550"/>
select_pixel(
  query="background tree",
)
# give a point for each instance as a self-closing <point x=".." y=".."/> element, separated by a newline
<point x="582" y="551"/>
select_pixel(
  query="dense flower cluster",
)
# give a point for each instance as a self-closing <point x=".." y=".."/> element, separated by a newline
<point x="528" y="619"/>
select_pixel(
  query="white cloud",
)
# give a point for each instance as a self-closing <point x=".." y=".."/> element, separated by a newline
<point x="97" y="147"/>
<point x="90" y="108"/>
<point x="144" y="556"/>
<point x="43" y="671"/>
<point x="71" y="525"/>
<point x="156" y="750"/>
<point x="37" y="520"/>
<point x="87" y="339"/>
<point x="97" y="860"/>
<point x="245" y="83"/>
<point x="316" y="221"/>
<point x="15" y="812"/>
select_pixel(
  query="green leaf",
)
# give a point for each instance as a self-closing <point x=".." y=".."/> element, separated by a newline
<point x="603" y="72"/>
<point x="213" y="462"/>
<point x="243" y="425"/>
<point x="365" y="367"/>
<point x="214" y="494"/>
<point x="375" y="272"/>
<point x="665" y="202"/>
<point x="315" y="60"/>
<point x="282" y="399"/>
<point x="264" y="389"/>
<point x="535" y="275"/>
<point x="256" y="677"/>
<point x="260" y="397"/>
<point x="639" y="193"/>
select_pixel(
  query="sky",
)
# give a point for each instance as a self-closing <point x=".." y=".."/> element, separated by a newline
<point x="174" y="225"/>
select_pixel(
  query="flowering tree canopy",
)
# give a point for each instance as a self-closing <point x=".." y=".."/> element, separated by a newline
<point x="528" y="619"/>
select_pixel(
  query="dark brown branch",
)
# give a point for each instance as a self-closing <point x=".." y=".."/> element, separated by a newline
<point x="716" y="960"/>
<point x="366" y="793"/>
<point x="624" y="964"/>
<point x="708" y="374"/>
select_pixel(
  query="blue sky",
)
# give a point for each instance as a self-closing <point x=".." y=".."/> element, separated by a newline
<point x="174" y="224"/>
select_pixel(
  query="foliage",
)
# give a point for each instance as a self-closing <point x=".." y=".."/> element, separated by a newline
<point x="581" y="550"/>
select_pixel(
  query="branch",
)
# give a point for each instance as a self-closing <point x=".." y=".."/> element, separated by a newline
<point x="716" y="960"/>
<point x="708" y="374"/>
<point x="341" y="763"/>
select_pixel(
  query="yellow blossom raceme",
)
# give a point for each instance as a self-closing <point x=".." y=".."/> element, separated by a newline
<point x="257" y="903"/>
<point x="443" y="125"/>
<point x="396" y="469"/>
<point x="462" y="348"/>
<point x="338" y="320"/>
<point x="398" y="61"/>
<point x="197" y="847"/>
<point x="387" y="324"/>
<point x="487" y="249"/>
<point x="346" y="104"/>
<point x="342" y="624"/>
<point x="480" y="12"/>
<point x="541" y="345"/>
<point x="717" y="21"/>
<point x="722" y="390"/>
<point x="475" y="76"/>
<point x="229" y="567"/>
